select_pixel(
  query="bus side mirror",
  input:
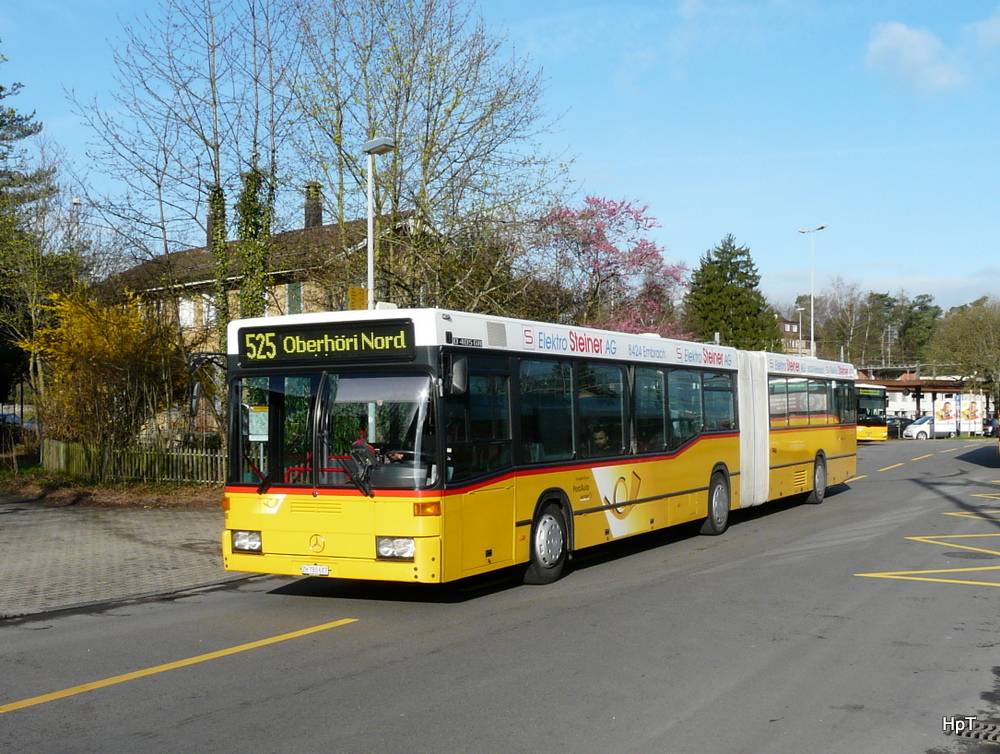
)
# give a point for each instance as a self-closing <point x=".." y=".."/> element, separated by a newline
<point x="458" y="380"/>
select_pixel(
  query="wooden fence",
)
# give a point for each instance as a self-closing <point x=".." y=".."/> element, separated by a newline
<point x="135" y="464"/>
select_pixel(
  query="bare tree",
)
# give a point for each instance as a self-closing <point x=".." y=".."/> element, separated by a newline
<point x="204" y="100"/>
<point x="466" y="117"/>
<point x="840" y="321"/>
<point x="203" y="96"/>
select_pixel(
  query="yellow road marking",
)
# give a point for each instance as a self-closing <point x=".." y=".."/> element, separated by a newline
<point x="945" y="540"/>
<point x="168" y="666"/>
<point x="949" y="450"/>
<point x="978" y="515"/>
<point x="920" y="458"/>
<point x="935" y="540"/>
<point x="856" y="478"/>
<point x="894" y="466"/>
<point x="914" y="576"/>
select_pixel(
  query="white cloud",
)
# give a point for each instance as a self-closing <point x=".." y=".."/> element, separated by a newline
<point x="690" y="8"/>
<point x="914" y="59"/>
<point x="987" y="33"/>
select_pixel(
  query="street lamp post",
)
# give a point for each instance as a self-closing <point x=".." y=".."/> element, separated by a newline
<point x="812" y="285"/>
<point x="798" y="332"/>
<point x="371" y="148"/>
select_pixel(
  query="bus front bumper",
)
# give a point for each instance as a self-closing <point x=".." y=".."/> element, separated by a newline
<point x="423" y="568"/>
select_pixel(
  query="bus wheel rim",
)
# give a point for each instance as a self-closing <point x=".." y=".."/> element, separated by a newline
<point x="548" y="541"/>
<point x="819" y="477"/>
<point x="719" y="502"/>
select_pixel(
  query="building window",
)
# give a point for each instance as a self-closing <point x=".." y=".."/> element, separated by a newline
<point x="185" y="313"/>
<point x="293" y="298"/>
<point x="208" y="314"/>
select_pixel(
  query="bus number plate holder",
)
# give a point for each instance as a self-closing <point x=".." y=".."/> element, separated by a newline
<point x="315" y="570"/>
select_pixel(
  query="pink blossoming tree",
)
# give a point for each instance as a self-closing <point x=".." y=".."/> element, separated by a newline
<point x="607" y="271"/>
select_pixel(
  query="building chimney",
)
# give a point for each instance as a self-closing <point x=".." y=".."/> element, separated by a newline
<point x="314" y="205"/>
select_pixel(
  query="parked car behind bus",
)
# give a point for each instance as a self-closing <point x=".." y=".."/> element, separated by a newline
<point x="925" y="427"/>
<point x="897" y="424"/>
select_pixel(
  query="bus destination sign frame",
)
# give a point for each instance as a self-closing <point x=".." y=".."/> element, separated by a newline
<point x="334" y="342"/>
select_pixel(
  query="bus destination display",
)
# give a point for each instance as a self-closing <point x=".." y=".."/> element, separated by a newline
<point x="336" y="342"/>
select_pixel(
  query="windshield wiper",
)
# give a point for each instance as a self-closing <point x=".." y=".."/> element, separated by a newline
<point x="364" y="457"/>
<point x="265" y="483"/>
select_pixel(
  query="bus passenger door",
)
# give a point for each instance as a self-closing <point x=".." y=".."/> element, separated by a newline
<point x="478" y="445"/>
<point x="488" y="527"/>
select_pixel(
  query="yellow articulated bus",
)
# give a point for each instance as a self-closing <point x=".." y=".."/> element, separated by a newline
<point x="872" y="401"/>
<point x="423" y="445"/>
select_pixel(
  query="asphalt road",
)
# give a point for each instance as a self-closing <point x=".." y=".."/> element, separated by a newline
<point x="865" y="624"/>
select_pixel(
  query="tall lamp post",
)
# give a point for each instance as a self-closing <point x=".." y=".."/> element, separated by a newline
<point x="798" y="332"/>
<point x="812" y="285"/>
<point x="371" y="148"/>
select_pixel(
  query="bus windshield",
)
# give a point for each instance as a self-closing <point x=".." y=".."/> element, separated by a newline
<point x="871" y="403"/>
<point x="337" y="430"/>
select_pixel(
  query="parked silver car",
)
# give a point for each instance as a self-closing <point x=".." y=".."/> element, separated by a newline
<point x="925" y="427"/>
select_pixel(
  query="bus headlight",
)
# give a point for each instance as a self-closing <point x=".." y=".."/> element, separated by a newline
<point x="247" y="541"/>
<point x="395" y="548"/>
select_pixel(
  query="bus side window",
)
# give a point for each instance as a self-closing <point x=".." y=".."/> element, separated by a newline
<point x="489" y="397"/>
<point x="777" y="390"/>
<point x="478" y="434"/>
<point x="798" y="401"/>
<point x="685" y="405"/>
<point x="820" y="409"/>
<point x="846" y="404"/>
<point x="546" y="411"/>
<point x="600" y="409"/>
<point x="720" y="405"/>
<point x="650" y="397"/>
<point x="456" y="420"/>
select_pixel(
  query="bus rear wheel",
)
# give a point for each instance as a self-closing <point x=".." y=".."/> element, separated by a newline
<point x="819" y="481"/>
<point x="718" y="506"/>
<point x="548" y="546"/>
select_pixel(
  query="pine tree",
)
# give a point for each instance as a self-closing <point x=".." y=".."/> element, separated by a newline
<point x="19" y="184"/>
<point x="23" y="269"/>
<point x="916" y="326"/>
<point x="724" y="298"/>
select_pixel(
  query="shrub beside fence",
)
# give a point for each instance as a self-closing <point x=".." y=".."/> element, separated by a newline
<point x="135" y="464"/>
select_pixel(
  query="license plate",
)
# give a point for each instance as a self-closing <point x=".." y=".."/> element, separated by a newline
<point x="315" y="570"/>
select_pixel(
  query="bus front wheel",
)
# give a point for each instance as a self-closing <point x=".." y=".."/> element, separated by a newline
<point x="718" y="505"/>
<point x="548" y="546"/>
<point x="819" y="481"/>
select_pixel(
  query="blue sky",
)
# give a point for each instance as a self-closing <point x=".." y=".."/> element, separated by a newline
<point x="746" y="117"/>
